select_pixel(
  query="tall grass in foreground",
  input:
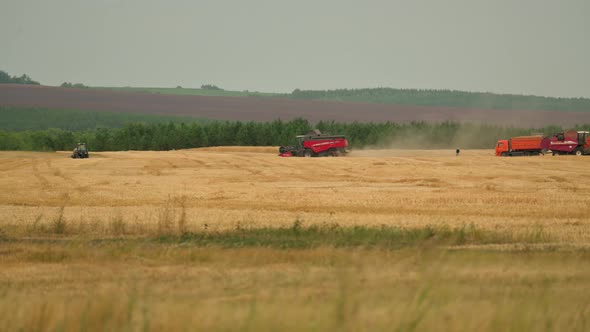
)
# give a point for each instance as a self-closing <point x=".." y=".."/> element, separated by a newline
<point x="118" y="275"/>
<point x="97" y="286"/>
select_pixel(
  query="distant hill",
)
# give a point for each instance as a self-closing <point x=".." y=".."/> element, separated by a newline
<point x="40" y="118"/>
<point x="447" y="98"/>
<point x="416" y="97"/>
<point x="263" y="109"/>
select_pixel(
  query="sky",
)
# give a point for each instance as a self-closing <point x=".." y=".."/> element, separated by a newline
<point x="539" y="47"/>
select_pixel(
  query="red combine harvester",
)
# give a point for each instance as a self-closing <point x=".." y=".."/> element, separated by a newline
<point x="571" y="142"/>
<point x="523" y="146"/>
<point x="315" y="144"/>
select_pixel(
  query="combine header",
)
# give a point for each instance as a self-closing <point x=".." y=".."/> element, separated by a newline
<point x="316" y="144"/>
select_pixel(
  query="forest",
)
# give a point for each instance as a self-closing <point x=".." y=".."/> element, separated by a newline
<point x="170" y="135"/>
<point x="5" y="78"/>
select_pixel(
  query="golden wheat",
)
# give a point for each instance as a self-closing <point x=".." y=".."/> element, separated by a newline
<point x="219" y="188"/>
<point x="82" y="242"/>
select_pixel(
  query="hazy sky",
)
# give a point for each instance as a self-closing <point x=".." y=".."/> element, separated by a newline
<point x="516" y="46"/>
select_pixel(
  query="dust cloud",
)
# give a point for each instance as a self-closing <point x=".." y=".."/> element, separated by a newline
<point x="444" y="141"/>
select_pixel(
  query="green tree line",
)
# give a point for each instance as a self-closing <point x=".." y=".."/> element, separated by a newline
<point x="167" y="136"/>
<point x="73" y="85"/>
<point x="23" y="79"/>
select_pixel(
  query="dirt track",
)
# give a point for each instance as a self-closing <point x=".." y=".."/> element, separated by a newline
<point x="265" y="109"/>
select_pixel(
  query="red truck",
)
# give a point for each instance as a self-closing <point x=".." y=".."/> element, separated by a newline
<point x="570" y="142"/>
<point x="523" y="146"/>
<point x="315" y="144"/>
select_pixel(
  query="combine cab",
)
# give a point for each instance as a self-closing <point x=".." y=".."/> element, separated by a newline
<point x="571" y="142"/>
<point x="315" y="144"/>
<point x="80" y="151"/>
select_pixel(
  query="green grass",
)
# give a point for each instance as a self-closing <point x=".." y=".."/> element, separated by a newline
<point x="38" y="118"/>
<point x="296" y="236"/>
<point x="386" y="237"/>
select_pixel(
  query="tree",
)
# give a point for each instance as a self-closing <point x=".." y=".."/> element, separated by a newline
<point x="243" y="136"/>
<point x="4" y="77"/>
<point x="197" y="136"/>
<point x="73" y="85"/>
<point x="211" y="87"/>
<point x="23" y="79"/>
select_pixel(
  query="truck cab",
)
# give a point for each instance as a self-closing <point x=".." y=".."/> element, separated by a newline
<point x="502" y="147"/>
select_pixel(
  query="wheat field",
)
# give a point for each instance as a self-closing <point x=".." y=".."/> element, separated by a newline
<point x="228" y="186"/>
<point x="99" y="244"/>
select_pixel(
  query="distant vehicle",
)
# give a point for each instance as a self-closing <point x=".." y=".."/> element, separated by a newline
<point x="316" y="144"/>
<point x="80" y="151"/>
<point x="522" y="146"/>
<point x="571" y="142"/>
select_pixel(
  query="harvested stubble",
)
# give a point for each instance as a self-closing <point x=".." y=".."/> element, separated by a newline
<point x="234" y="238"/>
<point x="219" y="188"/>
